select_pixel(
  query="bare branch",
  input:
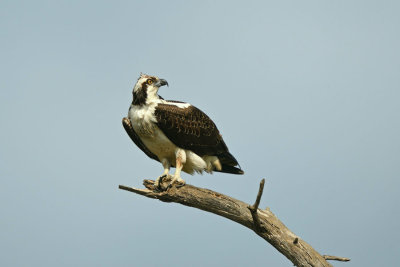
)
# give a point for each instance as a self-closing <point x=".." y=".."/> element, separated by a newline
<point x="334" y="258"/>
<point x="254" y="208"/>
<point x="263" y="222"/>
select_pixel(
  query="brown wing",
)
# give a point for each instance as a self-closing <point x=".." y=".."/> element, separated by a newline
<point x="190" y="128"/>
<point x="135" y="138"/>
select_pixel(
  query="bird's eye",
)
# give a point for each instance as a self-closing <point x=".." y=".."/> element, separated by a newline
<point x="149" y="81"/>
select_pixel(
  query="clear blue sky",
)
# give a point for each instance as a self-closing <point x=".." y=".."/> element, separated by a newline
<point x="305" y="93"/>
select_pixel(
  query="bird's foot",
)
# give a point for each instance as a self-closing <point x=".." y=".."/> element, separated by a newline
<point x="158" y="183"/>
<point x="163" y="182"/>
<point x="166" y="181"/>
<point x="177" y="182"/>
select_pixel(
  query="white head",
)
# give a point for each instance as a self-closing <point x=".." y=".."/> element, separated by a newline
<point x="146" y="89"/>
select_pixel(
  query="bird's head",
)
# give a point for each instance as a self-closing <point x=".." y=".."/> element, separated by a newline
<point x="146" y="89"/>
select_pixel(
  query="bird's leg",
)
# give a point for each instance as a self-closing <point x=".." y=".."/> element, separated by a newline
<point x="166" y="166"/>
<point x="180" y="160"/>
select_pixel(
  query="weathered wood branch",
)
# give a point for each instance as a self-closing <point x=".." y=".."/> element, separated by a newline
<point x="254" y="208"/>
<point x="263" y="222"/>
<point x="335" y="258"/>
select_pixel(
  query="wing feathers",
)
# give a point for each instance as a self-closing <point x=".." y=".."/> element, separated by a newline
<point x="190" y="128"/>
<point x="135" y="138"/>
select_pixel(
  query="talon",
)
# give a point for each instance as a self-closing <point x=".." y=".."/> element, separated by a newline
<point x="157" y="190"/>
<point x="158" y="181"/>
<point x="180" y="184"/>
<point x="168" y="186"/>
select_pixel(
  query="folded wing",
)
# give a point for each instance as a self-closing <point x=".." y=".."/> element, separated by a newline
<point x="191" y="129"/>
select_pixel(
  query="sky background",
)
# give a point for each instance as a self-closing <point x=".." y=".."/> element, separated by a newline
<point x="305" y="93"/>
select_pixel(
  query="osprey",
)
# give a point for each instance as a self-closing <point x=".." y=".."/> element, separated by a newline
<point x="175" y="133"/>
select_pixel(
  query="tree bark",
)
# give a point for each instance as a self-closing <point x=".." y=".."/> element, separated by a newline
<point x="263" y="222"/>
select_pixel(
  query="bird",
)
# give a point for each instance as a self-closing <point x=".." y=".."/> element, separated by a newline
<point x="175" y="133"/>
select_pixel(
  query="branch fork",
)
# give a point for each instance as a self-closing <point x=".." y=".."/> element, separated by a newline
<point x="254" y="208"/>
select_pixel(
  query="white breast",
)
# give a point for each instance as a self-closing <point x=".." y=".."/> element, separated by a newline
<point x="143" y="122"/>
<point x="142" y="119"/>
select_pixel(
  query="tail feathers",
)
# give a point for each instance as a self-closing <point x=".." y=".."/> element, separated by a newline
<point x="228" y="163"/>
<point x="230" y="169"/>
<point x="227" y="158"/>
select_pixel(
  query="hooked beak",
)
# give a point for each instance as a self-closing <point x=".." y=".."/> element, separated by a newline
<point x="161" y="82"/>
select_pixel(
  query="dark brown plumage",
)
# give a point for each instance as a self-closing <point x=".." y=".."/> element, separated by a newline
<point x="191" y="129"/>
